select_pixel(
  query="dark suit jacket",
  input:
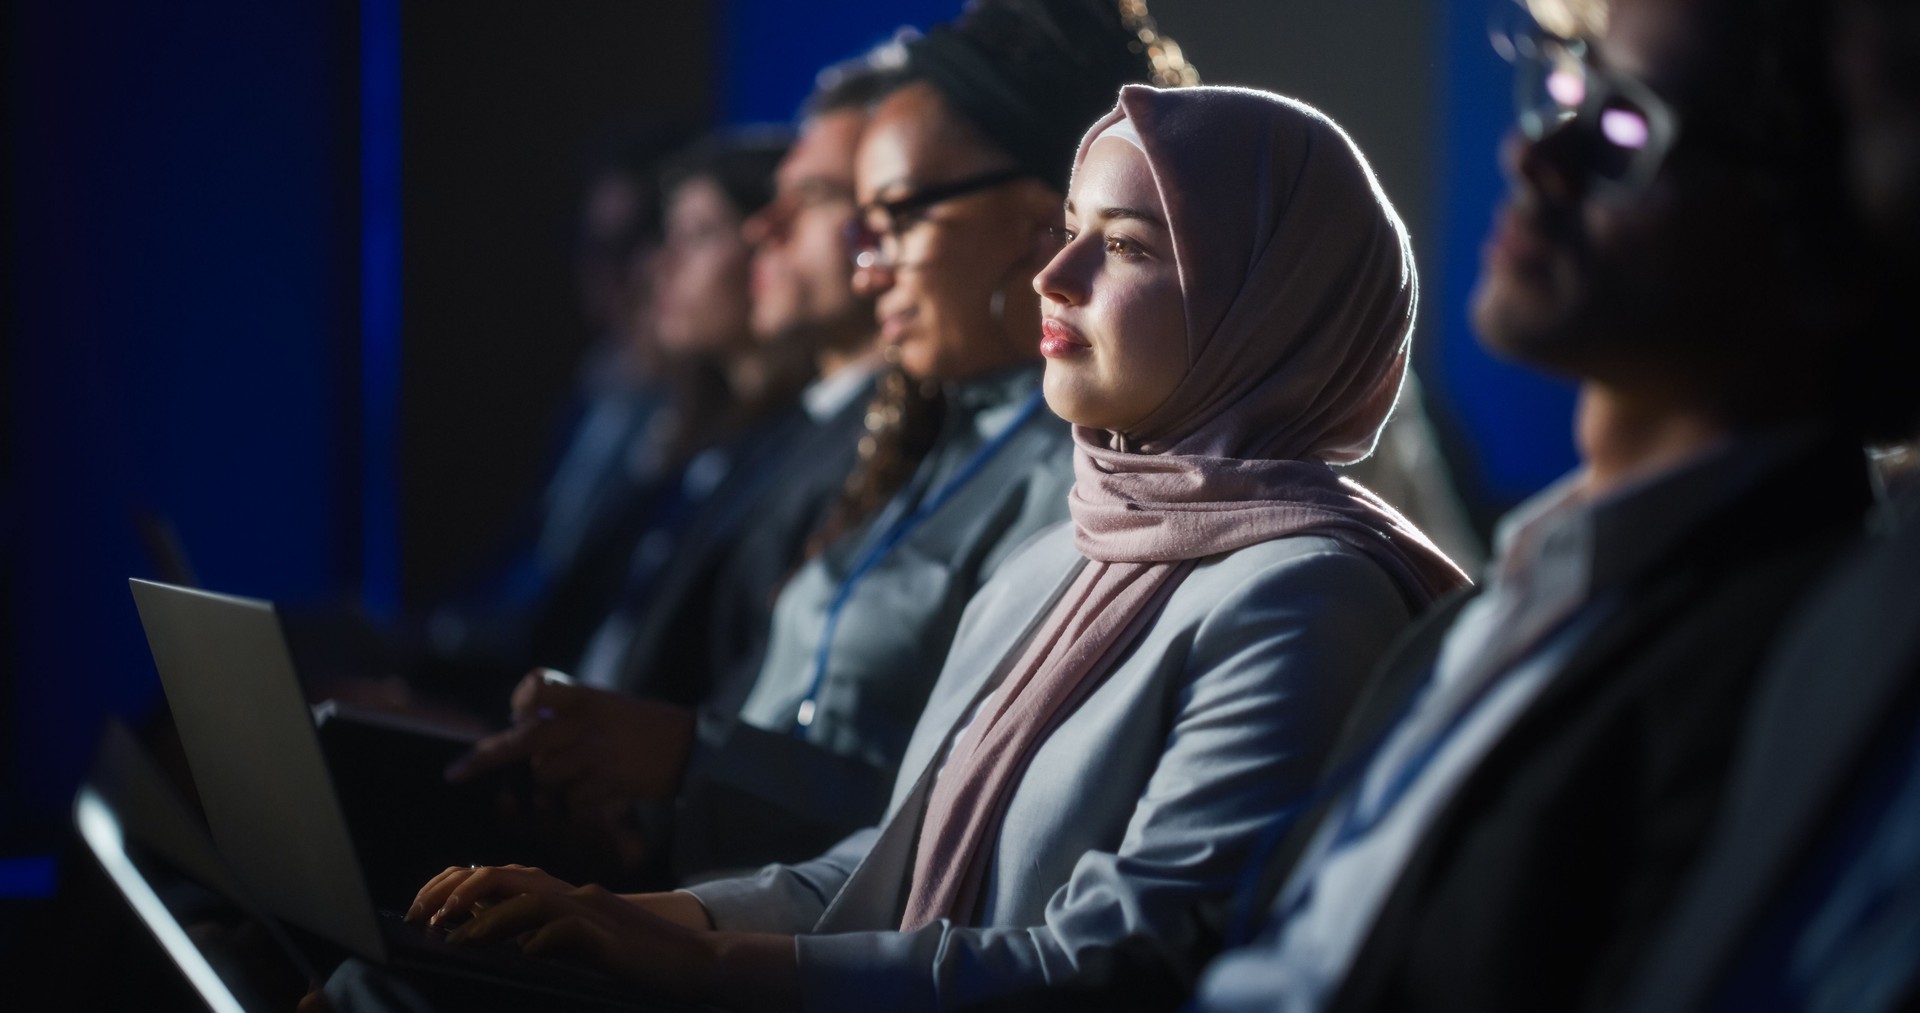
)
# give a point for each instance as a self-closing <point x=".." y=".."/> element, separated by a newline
<point x="1844" y="682"/>
<point x="1538" y="878"/>
<point x="705" y="620"/>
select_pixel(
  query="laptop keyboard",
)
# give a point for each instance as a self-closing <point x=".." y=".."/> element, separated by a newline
<point x="500" y="960"/>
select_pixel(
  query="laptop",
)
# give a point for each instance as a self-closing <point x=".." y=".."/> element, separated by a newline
<point x="276" y="820"/>
<point x="156" y="852"/>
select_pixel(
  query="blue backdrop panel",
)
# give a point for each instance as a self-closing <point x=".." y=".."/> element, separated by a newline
<point x="380" y="306"/>
<point x="1518" y="424"/>
<point x="174" y="208"/>
<point x="772" y="48"/>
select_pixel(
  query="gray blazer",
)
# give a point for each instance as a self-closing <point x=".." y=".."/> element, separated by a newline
<point x="756" y="791"/>
<point x="1127" y="833"/>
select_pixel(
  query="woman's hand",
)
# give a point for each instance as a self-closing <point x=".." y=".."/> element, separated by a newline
<point x="657" y="940"/>
<point x="609" y="930"/>
<point x="592" y="746"/>
<point x="465" y="890"/>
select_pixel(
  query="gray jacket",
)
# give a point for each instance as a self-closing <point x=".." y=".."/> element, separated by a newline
<point x="761" y="789"/>
<point x="1127" y="833"/>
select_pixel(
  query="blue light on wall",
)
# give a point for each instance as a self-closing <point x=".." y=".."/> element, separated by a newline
<point x="771" y="49"/>
<point x="30" y="876"/>
<point x="1519" y="424"/>
<point x="174" y="194"/>
<point x="380" y="306"/>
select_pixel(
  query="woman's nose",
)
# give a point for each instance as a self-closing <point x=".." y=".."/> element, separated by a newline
<point x="759" y="226"/>
<point x="871" y="279"/>
<point x="1061" y="279"/>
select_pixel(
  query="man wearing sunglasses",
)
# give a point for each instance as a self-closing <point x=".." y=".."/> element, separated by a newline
<point x="1542" y="759"/>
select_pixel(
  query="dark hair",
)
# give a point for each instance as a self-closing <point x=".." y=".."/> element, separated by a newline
<point x="741" y="160"/>
<point x="635" y="155"/>
<point x="903" y="422"/>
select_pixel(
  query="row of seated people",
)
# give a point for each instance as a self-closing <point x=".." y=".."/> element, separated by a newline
<point x="1050" y="715"/>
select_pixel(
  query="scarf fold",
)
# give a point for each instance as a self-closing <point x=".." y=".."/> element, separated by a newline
<point x="1299" y="288"/>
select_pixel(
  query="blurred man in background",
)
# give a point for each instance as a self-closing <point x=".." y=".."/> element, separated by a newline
<point x="695" y="645"/>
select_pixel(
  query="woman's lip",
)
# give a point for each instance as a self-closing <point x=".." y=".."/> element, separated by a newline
<point x="1058" y="340"/>
<point x="892" y="325"/>
<point x="1059" y="329"/>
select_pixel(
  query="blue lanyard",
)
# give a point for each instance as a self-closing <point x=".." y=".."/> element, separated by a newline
<point x="890" y="538"/>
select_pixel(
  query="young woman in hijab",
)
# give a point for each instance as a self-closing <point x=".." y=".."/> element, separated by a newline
<point x="959" y="177"/>
<point x="1139" y="695"/>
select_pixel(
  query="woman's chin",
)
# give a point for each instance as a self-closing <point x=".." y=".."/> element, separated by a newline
<point x="930" y="367"/>
<point x="1067" y="401"/>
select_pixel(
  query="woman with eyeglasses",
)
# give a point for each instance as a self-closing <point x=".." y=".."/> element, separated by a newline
<point x="1140" y="697"/>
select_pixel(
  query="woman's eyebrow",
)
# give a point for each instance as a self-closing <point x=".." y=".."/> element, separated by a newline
<point x="1135" y="214"/>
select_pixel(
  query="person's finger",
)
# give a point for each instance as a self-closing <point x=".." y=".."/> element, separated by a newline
<point x="521" y="699"/>
<point x="520" y="743"/>
<point x="543" y="694"/>
<point x="575" y="933"/>
<point x="433" y="896"/>
<point x="493" y="752"/>
<point x="599" y="898"/>
<point x="490" y="883"/>
<point x="609" y="930"/>
<point x="512" y="916"/>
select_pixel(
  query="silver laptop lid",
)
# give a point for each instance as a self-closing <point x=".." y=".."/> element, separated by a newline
<point x="124" y="800"/>
<point x="250" y="742"/>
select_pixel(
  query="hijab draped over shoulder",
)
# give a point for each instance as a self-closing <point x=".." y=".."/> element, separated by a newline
<point x="1299" y="291"/>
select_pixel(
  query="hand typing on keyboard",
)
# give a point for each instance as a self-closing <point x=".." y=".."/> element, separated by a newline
<point x="661" y="940"/>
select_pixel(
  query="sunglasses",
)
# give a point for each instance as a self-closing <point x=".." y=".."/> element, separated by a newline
<point x="1557" y="87"/>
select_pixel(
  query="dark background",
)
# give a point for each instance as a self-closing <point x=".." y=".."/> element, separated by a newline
<point x="294" y="276"/>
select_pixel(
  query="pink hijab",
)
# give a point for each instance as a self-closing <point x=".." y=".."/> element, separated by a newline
<point x="1299" y="287"/>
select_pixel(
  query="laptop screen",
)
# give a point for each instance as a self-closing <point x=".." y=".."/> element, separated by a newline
<point x="262" y="779"/>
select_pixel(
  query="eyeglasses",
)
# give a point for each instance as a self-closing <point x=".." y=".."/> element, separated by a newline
<point x="1556" y="87"/>
<point x="874" y="235"/>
